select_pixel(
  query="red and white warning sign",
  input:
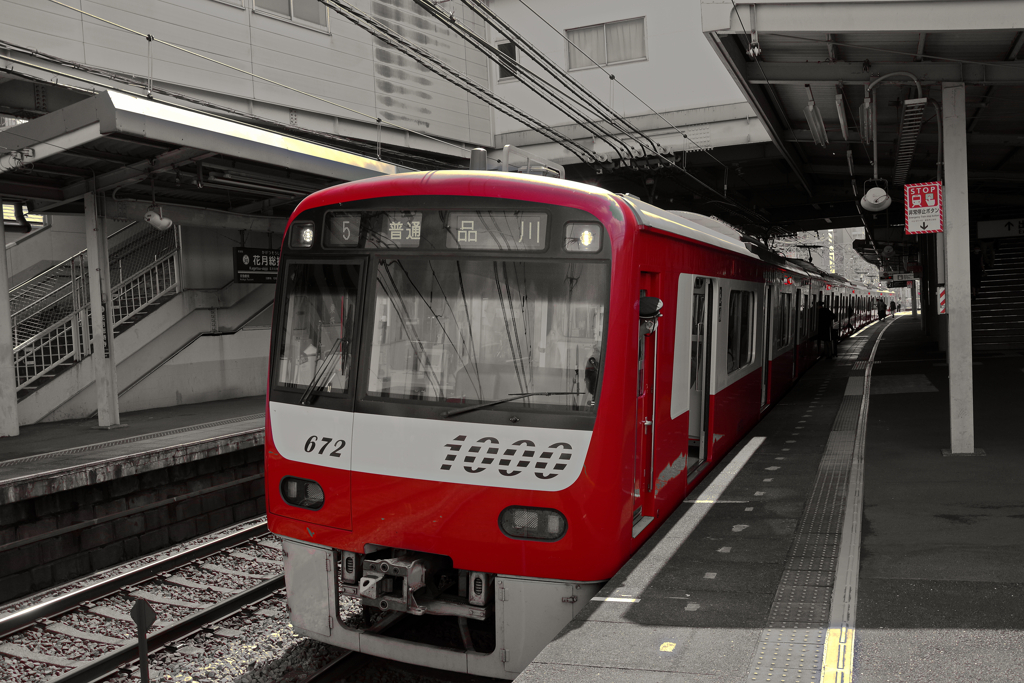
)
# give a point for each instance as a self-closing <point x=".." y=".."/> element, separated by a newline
<point x="940" y="297"/>
<point x="923" y="208"/>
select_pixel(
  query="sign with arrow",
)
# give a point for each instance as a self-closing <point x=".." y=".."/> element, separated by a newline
<point x="922" y="208"/>
<point x="1006" y="227"/>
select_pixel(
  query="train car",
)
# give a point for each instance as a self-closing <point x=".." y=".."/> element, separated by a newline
<point x="487" y="390"/>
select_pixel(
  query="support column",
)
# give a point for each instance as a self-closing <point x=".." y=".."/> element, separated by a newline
<point x="8" y="392"/>
<point x="958" y="271"/>
<point x="104" y="362"/>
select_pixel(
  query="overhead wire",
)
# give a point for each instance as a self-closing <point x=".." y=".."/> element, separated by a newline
<point x="151" y="38"/>
<point x="599" y="109"/>
<point x="525" y="75"/>
<point x="384" y="33"/>
<point x="576" y="87"/>
<point x="366" y="147"/>
<point x="617" y="80"/>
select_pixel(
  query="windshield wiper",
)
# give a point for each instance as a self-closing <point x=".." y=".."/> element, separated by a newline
<point x="514" y="397"/>
<point x="319" y="378"/>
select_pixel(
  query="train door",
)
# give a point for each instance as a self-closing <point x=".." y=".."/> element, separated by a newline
<point x="766" y="345"/>
<point x="700" y="372"/>
<point x="647" y="367"/>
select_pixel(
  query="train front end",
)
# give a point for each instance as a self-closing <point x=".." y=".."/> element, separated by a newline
<point x="433" y="453"/>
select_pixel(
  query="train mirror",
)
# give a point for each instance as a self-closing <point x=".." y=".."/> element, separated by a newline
<point x="650" y="307"/>
<point x="650" y="311"/>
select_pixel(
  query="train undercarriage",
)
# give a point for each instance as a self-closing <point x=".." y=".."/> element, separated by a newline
<point x="417" y="608"/>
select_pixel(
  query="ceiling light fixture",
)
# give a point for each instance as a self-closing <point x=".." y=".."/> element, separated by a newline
<point x="842" y="116"/>
<point x="814" y="121"/>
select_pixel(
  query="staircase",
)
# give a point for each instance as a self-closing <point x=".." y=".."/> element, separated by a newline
<point x="50" y="313"/>
<point x="998" y="311"/>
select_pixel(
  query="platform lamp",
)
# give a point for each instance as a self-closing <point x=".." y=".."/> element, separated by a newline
<point x="877" y="198"/>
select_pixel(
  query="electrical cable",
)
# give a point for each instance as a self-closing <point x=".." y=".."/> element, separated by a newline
<point x="384" y="33"/>
<point x="602" y="112"/>
<point x="150" y="37"/>
<point x="624" y="87"/>
<point x="526" y="76"/>
<point x="512" y="35"/>
<point x="128" y="80"/>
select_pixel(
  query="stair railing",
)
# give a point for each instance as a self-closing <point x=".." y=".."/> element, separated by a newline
<point x="50" y="313"/>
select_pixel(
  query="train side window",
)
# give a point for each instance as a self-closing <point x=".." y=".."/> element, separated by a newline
<point x="740" y="350"/>
<point x="784" y="321"/>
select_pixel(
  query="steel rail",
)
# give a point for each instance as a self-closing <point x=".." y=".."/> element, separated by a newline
<point x="48" y="610"/>
<point x="112" y="661"/>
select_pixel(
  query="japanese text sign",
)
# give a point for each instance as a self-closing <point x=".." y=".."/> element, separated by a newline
<point x="923" y="208"/>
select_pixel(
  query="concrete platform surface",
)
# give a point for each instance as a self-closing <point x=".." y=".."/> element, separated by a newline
<point x="57" y="456"/>
<point x="940" y="595"/>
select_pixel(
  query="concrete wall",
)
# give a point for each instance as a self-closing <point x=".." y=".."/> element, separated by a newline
<point x="213" y="368"/>
<point x="64" y="238"/>
<point x="136" y="515"/>
<point x="339" y="62"/>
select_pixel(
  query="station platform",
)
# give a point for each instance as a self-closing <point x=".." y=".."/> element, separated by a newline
<point x="58" y="456"/>
<point x="835" y="540"/>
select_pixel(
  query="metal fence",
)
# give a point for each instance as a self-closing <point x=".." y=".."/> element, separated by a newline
<point x="50" y="313"/>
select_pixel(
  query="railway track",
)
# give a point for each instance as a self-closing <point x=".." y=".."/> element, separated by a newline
<point x="87" y="635"/>
<point x="200" y="596"/>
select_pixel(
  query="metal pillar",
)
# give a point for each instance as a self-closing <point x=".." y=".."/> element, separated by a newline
<point x="913" y="296"/>
<point x="104" y="362"/>
<point x="8" y="382"/>
<point x="958" y="272"/>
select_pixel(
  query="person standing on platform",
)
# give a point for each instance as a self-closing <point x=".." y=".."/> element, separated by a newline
<point x="881" y="309"/>
<point x="892" y="308"/>
<point x="825" y="320"/>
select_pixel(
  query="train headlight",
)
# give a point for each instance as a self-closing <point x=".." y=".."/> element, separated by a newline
<point x="302" y="493"/>
<point x="583" y="237"/>
<point x="302" y="234"/>
<point x="535" y="524"/>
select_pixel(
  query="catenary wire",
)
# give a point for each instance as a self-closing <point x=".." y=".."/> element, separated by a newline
<point x="438" y="67"/>
<point x="376" y="119"/>
<point x="127" y="80"/>
<point x="624" y="87"/>
<point x="598" y="108"/>
<point x="526" y="76"/>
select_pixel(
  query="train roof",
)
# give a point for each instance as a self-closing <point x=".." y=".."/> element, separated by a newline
<point x="685" y="224"/>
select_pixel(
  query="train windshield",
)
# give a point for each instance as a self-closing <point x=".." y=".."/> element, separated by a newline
<point x="476" y="330"/>
<point x="319" y="325"/>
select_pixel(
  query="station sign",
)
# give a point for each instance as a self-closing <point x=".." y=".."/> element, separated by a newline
<point x="895" y="284"/>
<point x="256" y="266"/>
<point x="898" y="276"/>
<point x="1006" y="227"/>
<point x="923" y="208"/>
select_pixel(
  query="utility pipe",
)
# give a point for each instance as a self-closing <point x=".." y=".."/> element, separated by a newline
<point x="874" y="110"/>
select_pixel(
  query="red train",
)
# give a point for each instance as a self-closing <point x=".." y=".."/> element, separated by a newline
<point x="487" y="390"/>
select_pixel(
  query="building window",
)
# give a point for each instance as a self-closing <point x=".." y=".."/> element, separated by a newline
<point x="505" y="67"/>
<point x="309" y="11"/>
<point x="612" y="43"/>
<point x="740" y="350"/>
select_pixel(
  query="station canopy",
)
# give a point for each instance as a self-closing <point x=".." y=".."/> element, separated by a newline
<point x="805" y="67"/>
<point x="139" y="152"/>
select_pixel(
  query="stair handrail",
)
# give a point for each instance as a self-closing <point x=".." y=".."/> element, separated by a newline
<point x="63" y="263"/>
